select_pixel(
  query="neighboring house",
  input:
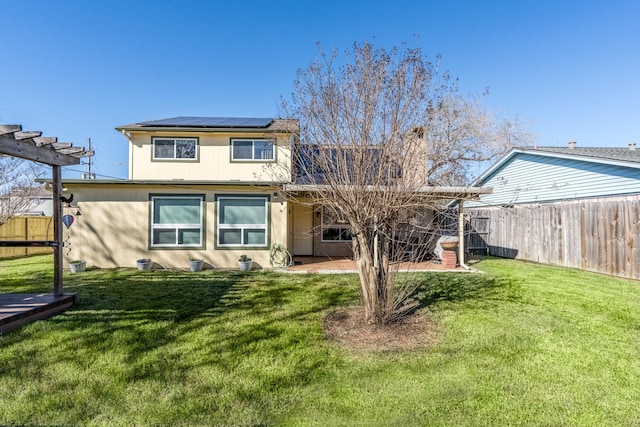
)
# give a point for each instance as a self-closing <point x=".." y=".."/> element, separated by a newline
<point x="34" y="201"/>
<point x="202" y="187"/>
<point x="576" y="206"/>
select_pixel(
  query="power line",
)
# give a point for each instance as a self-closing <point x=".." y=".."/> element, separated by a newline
<point x="43" y="123"/>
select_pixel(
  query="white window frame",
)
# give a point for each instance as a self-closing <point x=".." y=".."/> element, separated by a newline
<point x="253" y="149"/>
<point x="174" y="158"/>
<point x="177" y="226"/>
<point x="242" y="227"/>
<point x="342" y="227"/>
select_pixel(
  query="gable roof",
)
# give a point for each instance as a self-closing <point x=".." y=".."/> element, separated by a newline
<point x="214" y="123"/>
<point x="603" y="155"/>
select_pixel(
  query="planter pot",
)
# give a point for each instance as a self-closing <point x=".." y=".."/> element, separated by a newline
<point x="245" y="265"/>
<point x="448" y="243"/>
<point x="144" y="264"/>
<point x="195" y="264"/>
<point x="448" y="246"/>
<point x="77" y="266"/>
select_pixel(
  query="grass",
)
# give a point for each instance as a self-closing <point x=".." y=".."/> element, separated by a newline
<point x="523" y="344"/>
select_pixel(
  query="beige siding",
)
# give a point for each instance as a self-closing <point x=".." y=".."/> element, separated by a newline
<point x="214" y="159"/>
<point x="113" y="229"/>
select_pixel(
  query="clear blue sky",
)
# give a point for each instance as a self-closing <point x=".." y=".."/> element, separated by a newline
<point x="77" y="69"/>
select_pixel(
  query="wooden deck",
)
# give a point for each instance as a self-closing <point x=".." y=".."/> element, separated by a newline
<point x="17" y="310"/>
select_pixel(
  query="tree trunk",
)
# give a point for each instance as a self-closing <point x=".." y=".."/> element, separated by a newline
<point x="371" y="254"/>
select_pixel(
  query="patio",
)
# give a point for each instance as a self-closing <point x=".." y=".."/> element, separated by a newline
<point x="327" y="265"/>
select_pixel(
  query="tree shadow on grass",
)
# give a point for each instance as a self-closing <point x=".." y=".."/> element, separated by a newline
<point x="436" y="288"/>
<point x="158" y="328"/>
<point x="136" y="313"/>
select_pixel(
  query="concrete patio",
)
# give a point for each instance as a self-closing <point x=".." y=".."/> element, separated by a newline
<point x="326" y="265"/>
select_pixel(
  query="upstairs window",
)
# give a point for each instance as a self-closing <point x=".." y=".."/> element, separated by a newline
<point x="252" y="150"/>
<point x="175" y="148"/>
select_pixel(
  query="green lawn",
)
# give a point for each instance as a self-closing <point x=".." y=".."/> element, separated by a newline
<point x="521" y="345"/>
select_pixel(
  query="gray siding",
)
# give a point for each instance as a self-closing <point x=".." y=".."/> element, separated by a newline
<point x="529" y="178"/>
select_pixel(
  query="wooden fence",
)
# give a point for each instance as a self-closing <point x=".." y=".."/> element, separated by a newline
<point x="26" y="228"/>
<point x="600" y="235"/>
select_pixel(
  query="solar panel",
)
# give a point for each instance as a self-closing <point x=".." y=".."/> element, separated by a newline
<point x="214" y="122"/>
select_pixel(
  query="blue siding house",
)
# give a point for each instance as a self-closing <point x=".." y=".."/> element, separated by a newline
<point x="551" y="174"/>
<point x="568" y="206"/>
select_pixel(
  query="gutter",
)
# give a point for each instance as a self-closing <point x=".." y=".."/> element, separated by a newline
<point x="95" y="182"/>
<point x="434" y="190"/>
<point x="200" y="129"/>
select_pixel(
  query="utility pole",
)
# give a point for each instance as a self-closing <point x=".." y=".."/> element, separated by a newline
<point x="88" y="174"/>
<point x="89" y="162"/>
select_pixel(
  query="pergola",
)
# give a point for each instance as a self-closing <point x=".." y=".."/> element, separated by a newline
<point x="31" y="145"/>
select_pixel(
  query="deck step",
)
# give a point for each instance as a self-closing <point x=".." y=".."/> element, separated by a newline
<point x="17" y="310"/>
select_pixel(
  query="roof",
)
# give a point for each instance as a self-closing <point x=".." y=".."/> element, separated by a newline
<point x="38" y="192"/>
<point x="428" y="190"/>
<point x="151" y="182"/>
<point x="214" y="123"/>
<point x="604" y="155"/>
<point x="609" y="153"/>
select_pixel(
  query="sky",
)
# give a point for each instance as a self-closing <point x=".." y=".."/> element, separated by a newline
<point x="77" y="69"/>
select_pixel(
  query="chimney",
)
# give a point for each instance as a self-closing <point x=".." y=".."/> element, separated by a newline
<point x="572" y="145"/>
<point x="632" y="146"/>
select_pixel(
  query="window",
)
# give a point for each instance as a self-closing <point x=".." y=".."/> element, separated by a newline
<point x="176" y="221"/>
<point x="242" y="221"/>
<point x="334" y="229"/>
<point x="175" y="148"/>
<point x="252" y="150"/>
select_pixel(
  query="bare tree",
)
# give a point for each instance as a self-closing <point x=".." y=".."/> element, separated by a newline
<point x="17" y="189"/>
<point x="378" y="127"/>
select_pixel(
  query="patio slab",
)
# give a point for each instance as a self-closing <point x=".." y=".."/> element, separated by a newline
<point x="326" y="265"/>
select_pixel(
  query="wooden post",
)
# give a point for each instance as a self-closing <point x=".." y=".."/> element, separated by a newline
<point x="30" y="145"/>
<point x="461" y="233"/>
<point x="57" y="231"/>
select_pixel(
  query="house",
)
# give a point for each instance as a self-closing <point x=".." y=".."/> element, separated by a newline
<point x="32" y="201"/>
<point x="28" y="201"/>
<point x="572" y="206"/>
<point x="212" y="188"/>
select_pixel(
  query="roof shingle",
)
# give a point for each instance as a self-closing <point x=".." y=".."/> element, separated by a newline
<point x="609" y="153"/>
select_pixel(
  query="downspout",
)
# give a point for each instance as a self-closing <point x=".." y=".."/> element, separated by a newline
<point x="461" y="235"/>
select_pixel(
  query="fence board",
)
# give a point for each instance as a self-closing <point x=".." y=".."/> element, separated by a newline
<point x="600" y="235"/>
<point x="26" y="228"/>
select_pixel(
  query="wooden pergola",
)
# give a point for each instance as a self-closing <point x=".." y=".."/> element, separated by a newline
<point x="31" y="145"/>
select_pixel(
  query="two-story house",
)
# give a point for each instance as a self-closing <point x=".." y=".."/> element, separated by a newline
<point x="209" y="188"/>
<point x="198" y="187"/>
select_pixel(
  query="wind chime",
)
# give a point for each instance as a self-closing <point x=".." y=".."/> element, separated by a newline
<point x="67" y="220"/>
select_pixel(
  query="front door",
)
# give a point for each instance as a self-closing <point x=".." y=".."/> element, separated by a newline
<point x="302" y="231"/>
